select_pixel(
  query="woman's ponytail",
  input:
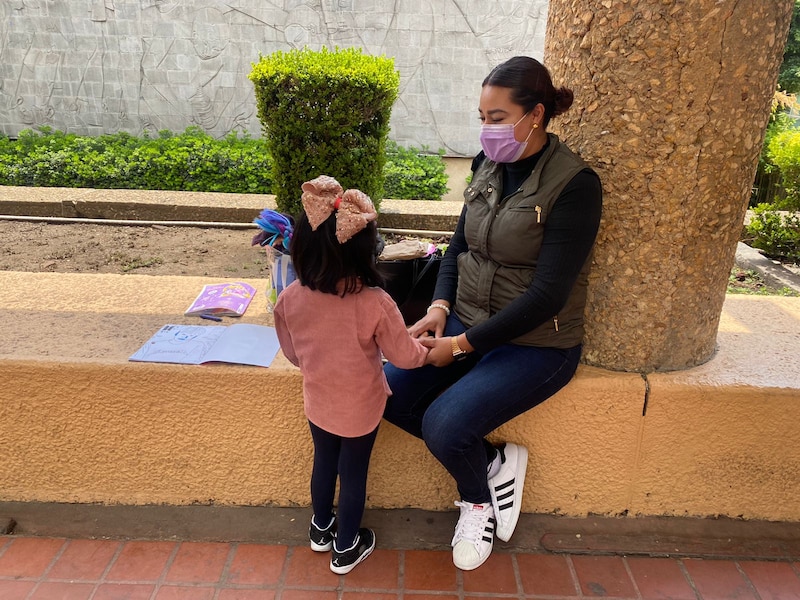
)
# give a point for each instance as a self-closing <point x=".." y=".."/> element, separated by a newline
<point x="563" y="100"/>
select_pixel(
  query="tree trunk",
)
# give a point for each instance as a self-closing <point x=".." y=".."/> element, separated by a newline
<point x="671" y="103"/>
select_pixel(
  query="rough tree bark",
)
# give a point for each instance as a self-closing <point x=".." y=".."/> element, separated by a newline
<point x="671" y="103"/>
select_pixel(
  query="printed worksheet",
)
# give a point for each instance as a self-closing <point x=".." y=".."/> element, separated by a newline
<point x="240" y="343"/>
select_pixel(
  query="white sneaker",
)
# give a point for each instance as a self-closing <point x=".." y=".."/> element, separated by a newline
<point x="506" y="488"/>
<point x="474" y="537"/>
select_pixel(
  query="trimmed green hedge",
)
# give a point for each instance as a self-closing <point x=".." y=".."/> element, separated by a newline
<point x="192" y="161"/>
<point x="414" y="173"/>
<point x="325" y="113"/>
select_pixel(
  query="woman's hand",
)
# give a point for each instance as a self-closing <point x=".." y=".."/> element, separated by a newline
<point x="433" y="322"/>
<point x="440" y="353"/>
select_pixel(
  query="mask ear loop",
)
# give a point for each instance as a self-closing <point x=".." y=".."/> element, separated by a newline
<point x="534" y="126"/>
<point x="530" y="132"/>
<point x="521" y="118"/>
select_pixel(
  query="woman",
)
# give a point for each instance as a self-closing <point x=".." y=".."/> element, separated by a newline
<point x="507" y="314"/>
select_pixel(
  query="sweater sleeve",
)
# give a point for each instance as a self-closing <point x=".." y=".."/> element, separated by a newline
<point x="284" y="337"/>
<point x="569" y="236"/>
<point x="393" y="338"/>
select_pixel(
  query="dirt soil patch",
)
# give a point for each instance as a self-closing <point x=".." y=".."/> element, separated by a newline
<point x="167" y="250"/>
<point x="40" y="247"/>
<point x="147" y="250"/>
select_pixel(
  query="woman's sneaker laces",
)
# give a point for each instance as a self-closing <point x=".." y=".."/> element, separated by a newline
<point x="474" y="536"/>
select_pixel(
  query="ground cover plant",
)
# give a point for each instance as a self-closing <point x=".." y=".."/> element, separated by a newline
<point x="188" y="161"/>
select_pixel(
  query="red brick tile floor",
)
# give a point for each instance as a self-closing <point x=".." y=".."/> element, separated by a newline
<point x="57" y="551"/>
<point x="58" y="568"/>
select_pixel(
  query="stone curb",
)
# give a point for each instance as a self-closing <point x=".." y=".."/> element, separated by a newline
<point x="414" y="529"/>
<point x="774" y="274"/>
<point x="158" y="205"/>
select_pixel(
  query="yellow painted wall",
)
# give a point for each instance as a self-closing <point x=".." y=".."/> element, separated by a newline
<point x="80" y="423"/>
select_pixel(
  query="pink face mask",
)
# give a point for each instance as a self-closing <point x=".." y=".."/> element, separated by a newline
<point x="499" y="143"/>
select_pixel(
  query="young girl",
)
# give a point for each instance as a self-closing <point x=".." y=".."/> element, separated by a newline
<point x="333" y="323"/>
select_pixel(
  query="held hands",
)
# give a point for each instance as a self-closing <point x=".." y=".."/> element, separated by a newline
<point x="429" y="331"/>
<point x="440" y="352"/>
<point x="433" y="322"/>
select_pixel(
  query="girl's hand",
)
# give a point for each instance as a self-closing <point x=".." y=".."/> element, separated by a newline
<point x="433" y="322"/>
<point x="440" y="353"/>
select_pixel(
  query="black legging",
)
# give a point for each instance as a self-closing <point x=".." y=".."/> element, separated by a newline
<point x="347" y="458"/>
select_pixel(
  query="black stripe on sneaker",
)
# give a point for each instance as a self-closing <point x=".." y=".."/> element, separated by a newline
<point x="503" y="486"/>
<point x="505" y="506"/>
<point x="508" y="494"/>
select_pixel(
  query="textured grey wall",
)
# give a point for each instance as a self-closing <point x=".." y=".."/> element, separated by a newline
<point x="103" y="66"/>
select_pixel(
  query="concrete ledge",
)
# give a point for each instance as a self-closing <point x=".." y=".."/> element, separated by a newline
<point x="131" y="204"/>
<point x="81" y="424"/>
<point x="157" y="205"/>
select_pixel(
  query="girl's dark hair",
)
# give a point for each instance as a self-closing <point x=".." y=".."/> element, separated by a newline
<point x="321" y="262"/>
<point x="530" y="84"/>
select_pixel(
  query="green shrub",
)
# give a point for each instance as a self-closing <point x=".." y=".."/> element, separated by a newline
<point x="789" y="76"/>
<point x="325" y="112"/>
<point x="776" y="233"/>
<point x="196" y="161"/>
<point x="784" y="153"/>
<point x="191" y="161"/>
<point x="414" y="173"/>
<point x="767" y="186"/>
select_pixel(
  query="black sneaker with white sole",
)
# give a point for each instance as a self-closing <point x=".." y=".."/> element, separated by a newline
<point x="322" y="539"/>
<point x="345" y="561"/>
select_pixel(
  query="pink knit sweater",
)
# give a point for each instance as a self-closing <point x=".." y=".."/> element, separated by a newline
<point x="337" y="343"/>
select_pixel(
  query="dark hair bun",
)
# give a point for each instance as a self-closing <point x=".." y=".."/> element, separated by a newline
<point x="563" y="100"/>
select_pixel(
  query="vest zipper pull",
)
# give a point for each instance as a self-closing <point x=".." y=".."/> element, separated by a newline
<point x="555" y="322"/>
<point x="538" y="210"/>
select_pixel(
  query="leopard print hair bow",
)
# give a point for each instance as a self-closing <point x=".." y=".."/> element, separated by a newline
<point x="323" y="196"/>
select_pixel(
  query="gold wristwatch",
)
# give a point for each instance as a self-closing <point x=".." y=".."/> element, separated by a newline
<point x="458" y="353"/>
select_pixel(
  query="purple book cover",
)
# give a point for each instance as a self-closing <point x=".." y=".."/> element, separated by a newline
<point x="222" y="299"/>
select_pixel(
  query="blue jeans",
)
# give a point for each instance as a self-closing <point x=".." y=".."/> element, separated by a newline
<point x="453" y="408"/>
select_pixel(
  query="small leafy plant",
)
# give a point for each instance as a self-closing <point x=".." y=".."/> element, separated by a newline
<point x="414" y="173"/>
<point x="746" y="281"/>
<point x="775" y="232"/>
<point x="784" y="154"/>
